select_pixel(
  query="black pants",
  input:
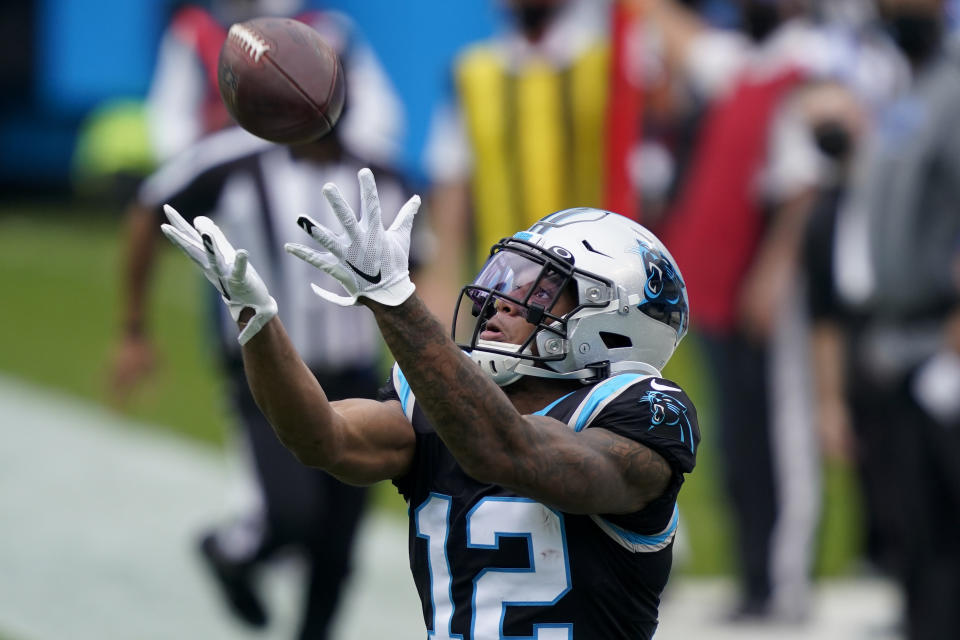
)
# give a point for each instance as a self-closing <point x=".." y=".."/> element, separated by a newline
<point x="739" y="374"/>
<point x="306" y="509"/>
<point x="930" y="472"/>
<point x="910" y="470"/>
<point x="879" y="411"/>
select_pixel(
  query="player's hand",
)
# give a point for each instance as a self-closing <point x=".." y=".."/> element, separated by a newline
<point x="366" y="259"/>
<point x="226" y="268"/>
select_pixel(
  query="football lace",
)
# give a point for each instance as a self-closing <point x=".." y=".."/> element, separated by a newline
<point x="251" y="43"/>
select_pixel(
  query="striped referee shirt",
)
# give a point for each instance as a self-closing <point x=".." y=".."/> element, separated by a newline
<point x="254" y="190"/>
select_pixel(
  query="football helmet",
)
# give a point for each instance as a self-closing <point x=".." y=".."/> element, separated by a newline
<point x="582" y="294"/>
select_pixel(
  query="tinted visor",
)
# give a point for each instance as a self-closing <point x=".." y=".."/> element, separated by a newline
<point x="512" y="298"/>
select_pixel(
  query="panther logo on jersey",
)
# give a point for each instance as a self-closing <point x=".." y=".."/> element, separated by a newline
<point x="667" y="411"/>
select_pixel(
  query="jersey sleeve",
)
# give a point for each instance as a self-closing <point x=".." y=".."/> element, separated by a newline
<point x="657" y="413"/>
<point x="397" y="388"/>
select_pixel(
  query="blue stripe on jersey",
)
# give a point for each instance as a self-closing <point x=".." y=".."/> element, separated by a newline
<point x="601" y="392"/>
<point x="402" y="386"/>
<point x="547" y="408"/>
<point x="651" y="541"/>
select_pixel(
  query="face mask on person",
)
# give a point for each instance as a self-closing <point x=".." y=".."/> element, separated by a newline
<point x="760" y="18"/>
<point x="533" y="17"/>
<point x="833" y="140"/>
<point x="917" y="33"/>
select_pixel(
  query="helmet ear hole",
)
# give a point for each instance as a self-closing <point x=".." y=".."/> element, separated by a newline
<point x="615" y="340"/>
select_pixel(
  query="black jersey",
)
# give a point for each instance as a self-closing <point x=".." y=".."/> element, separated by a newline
<point x="489" y="563"/>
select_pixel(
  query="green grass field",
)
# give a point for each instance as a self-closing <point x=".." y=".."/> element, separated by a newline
<point x="60" y="278"/>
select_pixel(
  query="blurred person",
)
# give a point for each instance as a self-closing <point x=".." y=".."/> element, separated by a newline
<point x="183" y="101"/>
<point x="541" y="470"/>
<point x="754" y="173"/>
<point x="122" y="141"/>
<point x="853" y="403"/>
<point x="895" y="264"/>
<point x="243" y="183"/>
<point x="522" y="132"/>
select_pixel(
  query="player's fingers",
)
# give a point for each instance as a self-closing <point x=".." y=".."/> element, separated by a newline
<point x="311" y="256"/>
<point x="193" y="249"/>
<point x="369" y="199"/>
<point x="214" y="257"/>
<point x="223" y="246"/>
<point x="404" y="219"/>
<point x="324" y="261"/>
<point x="343" y="301"/>
<point x="326" y="238"/>
<point x="179" y="223"/>
<point x="341" y="209"/>
<point x="217" y="270"/>
<point x="240" y="265"/>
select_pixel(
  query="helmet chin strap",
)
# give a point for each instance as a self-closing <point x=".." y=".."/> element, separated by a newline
<point x="505" y="369"/>
<point x="499" y="367"/>
<point x="612" y="369"/>
<point x="525" y="369"/>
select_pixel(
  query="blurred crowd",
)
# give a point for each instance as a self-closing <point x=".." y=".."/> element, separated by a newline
<point x="798" y="159"/>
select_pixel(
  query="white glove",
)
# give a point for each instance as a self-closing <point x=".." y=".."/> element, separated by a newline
<point x="367" y="260"/>
<point x="238" y="283"/>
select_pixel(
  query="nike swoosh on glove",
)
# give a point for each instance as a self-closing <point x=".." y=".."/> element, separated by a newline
<point x="366" y="259"/>
<point x="227" y="269"/>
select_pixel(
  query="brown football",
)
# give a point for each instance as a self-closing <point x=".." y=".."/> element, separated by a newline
<point x="280" y="80"/>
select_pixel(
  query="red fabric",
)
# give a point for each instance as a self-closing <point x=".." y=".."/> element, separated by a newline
<point x="201" y="31"/>
<point x="624" y="111"/>
<point x="716" y="223"/>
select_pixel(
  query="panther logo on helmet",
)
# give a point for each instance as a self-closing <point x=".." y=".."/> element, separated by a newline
<point x="663" y="289"/>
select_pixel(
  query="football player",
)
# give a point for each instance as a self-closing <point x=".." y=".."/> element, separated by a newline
<point x="540" y="451"/>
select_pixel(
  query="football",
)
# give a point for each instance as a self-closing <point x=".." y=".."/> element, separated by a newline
<point x="280" y="80"/>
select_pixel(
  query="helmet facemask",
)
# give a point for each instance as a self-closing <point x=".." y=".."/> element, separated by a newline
<point x="514" y="315"/>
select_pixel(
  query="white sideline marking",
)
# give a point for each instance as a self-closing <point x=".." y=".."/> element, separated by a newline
<point x="97" y="521"/>
<point x="98" y="518"/>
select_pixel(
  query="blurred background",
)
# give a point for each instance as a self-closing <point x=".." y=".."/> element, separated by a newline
<point x="100" y="499"/>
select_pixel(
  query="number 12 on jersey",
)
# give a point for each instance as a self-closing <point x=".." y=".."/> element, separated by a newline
<point x="542" y="584"/>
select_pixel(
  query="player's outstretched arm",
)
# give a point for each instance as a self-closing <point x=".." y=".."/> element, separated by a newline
<point x="359" y="441"/>
<point x="594" y="471"/>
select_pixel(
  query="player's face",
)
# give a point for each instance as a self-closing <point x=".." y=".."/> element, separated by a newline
<point x="512" y="298"/>
<point x="509" y="322"/>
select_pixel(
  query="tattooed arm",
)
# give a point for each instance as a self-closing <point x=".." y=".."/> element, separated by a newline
<point x="357" y="440"/>
<point x="591" y="471"/>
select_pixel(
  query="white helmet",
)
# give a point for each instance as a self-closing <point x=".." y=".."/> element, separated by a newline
<point x="628" y="307"/>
